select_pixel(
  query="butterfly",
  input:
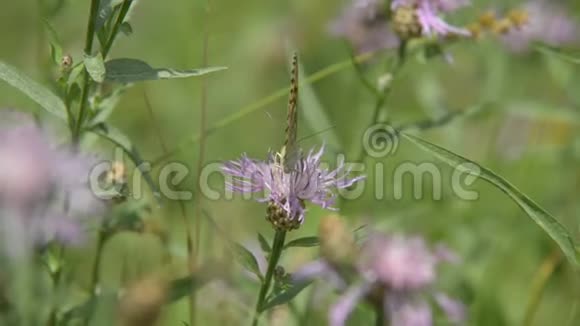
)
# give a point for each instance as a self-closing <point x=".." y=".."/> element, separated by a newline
<point x="289" y="155"/>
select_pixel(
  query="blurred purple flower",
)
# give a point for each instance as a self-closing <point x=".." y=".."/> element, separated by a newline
<point x="44" y="193"/>
<point x="401" y="263"/>
<point x="453" y="309"/>
<point x="306" y="182"/>
<point x="548" y="22"/>
<point x="401" y="270"/>
<point x="364" y="24"/>
<point x="406" y="311"/>
<point x="23" y="177"/>
<point x="429" y="15"/>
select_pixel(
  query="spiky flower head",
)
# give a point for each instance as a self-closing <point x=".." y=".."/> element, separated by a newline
<point x="395" y="272"/>
<point x="414" y="18"/>
<point x="288" y="191"/>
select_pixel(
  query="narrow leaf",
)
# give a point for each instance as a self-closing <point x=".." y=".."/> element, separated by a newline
<point x="546" y="221"/>
<point x="558" y="53"/>
<point x="286" y="295"/>
<point x="126" y="28"/>
<point x="133" y="70"/>
<point x="117" y="137"/>
<point x="106" y="106"/>
<point x="55" y="45"/>
<point x="247" y="259"/>
<point x="95" y="67"/>
<point x="77" y="312"/>
<point x="106" y="9"/>
<point x="303" y="242"/>
<point x="87" y="308"/>
<point x="264" y="243"/>
<point x="183" y="287"/>
<point x="38" y="93"/>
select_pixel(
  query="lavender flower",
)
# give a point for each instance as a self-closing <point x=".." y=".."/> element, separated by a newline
<point x="412" y="18"/>
<point x="396" y="272"/>
<point x="547" y="22"/>
<point x="287" y="192"/>
<point x="364" y="24"/>
<point x="44" y="191"/>
<point x="401" y="263"/>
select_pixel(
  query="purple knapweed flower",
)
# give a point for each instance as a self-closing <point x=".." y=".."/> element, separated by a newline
<point x="287" y="192"/>
<point x="401" y="263"/>
<point x="394" y="271"/>
<point x="44" y="190"/>
<point x="364" y="24"/>
<point x="412" y="18"/>
<point x="547" y="22"/>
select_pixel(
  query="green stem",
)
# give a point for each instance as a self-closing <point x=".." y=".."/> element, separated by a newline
<point x="379" y="316"/>
<point x="261" y="103"/>
<point x="277" y="246"/>
<point x="117" y="26"/>
<point x="86" y="78"/>
<point x="55" y="276"/>
<point x="97" y="265"/>
<point x="383" y="95"/>
<point x="94" y="281"/>
<point x="201" y="158"/>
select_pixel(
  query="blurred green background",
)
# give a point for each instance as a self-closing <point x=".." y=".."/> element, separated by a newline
<point x="527" y="130"/>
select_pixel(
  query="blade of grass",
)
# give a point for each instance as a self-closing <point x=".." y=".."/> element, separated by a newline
<point x="539" y="283"/>
<point x="201" y="156"/>
<point x="250" y="108"/>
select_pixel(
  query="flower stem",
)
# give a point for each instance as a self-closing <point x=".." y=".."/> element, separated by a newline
<point x="201" y="158"/>
<point x="379" y="316"/>
<point x="86" y="78"/>
<point x="277" y="246"/>
<point x="93" y="287"/>
<point x="120" y="18"/>
<point x="382" y="95"/>
<point x="56" y="278"/>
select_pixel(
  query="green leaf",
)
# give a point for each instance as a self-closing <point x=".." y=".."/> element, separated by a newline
<point x="286" y="295"/>
<point x="247" y="259"/>
<point x="95" y="67"/>
<point x="264" y="243"/>
<point x="77" y="312"/>
<point x="38" y="93"/>
<point x="106" y="9"/>
<point x="56" y="52"/>
<point x="106" y="106"/>
<point x="558" y="53"/>
<point x="117" y="137"/>
<point x="546" y="221"/>
<point x="183" y="287"/>
<point x="126" y="28"/>
<point x="88" y="308"/>
<point x="303" y="242"/>
<point x="315" y="115"/>
<point x="133" y="70"/>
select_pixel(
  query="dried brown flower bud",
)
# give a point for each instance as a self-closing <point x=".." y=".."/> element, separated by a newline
<point x="518" y="17"/>
<point x="336" y="239"/>
<point x="141" y="304"/>
<point x="487" y="20"/>
<point x="66" y="62"/>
